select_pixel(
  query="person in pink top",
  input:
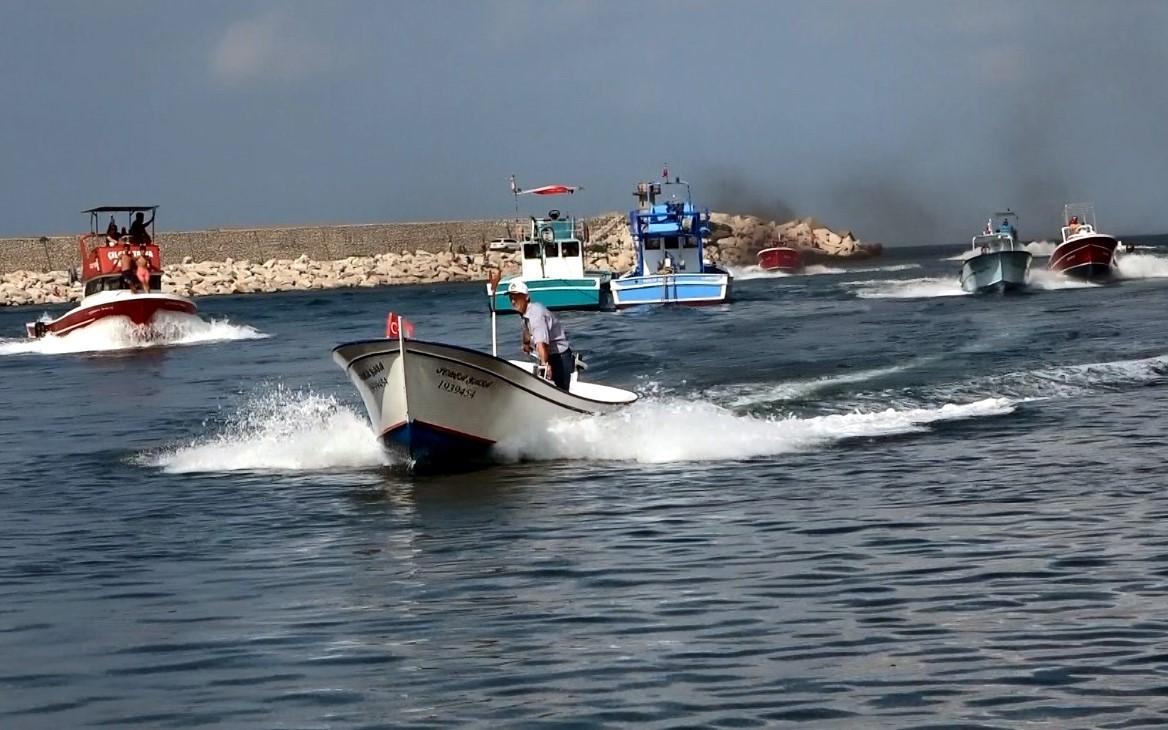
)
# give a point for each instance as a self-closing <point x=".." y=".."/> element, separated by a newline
<point x="144" y="273"/>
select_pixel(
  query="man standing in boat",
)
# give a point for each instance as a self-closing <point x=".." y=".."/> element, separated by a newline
<point x="543" y="334"/>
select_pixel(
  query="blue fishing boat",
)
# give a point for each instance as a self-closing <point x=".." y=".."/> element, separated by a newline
<point x="671" y="266"/>
<point x="552" y="251"/>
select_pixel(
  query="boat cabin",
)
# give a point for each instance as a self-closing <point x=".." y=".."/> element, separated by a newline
<point x="553" y="247"/>
<point x="669" y="234"/>
<point x="103" y="247"/>
<point x="997" y="241"/>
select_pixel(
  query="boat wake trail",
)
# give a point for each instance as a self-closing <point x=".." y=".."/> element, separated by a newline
<point x="924" y="288"/>
<point x="118" y="333"/>
<point x="1063" y="381"/>
<point x="279" y="430"/>
<point x="1060" y="381"/>
<point x="1047" y="280"/>
<point x="746" y="273"/>
<point x="1041" y="249"/>
<point x="748" y="395"/>
<point x="1142" y="266"/>
<point x="675" y="430"/>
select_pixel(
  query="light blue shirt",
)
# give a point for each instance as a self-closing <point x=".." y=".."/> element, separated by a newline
<point x="545" y="327"/>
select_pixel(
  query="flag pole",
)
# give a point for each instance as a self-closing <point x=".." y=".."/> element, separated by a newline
<point x="493" y="287"/>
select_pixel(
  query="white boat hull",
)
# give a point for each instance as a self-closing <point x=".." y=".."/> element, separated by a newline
<point x="996" y="271"/>
<point x="445" y="407"/>
<point x="707" y="288"/>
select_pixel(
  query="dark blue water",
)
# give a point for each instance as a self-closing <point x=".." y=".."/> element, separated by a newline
<point x="851" y="499"/>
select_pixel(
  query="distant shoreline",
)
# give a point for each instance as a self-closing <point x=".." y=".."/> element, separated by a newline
<point x="254" y="260"/>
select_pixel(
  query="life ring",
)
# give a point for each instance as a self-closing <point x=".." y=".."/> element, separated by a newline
<point x="547" y="235"/>
<point x="38" y="329"/>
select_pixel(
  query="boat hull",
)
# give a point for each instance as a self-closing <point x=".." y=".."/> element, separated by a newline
<point x="1085" y="257"/>
<point x="445" y="407"/>
<point x="996" y="271"/>
<point x="784" y="259"/>
<point x="140" y="309"/>
<point x="585" y="293"/>
<point x="693" y="289"/>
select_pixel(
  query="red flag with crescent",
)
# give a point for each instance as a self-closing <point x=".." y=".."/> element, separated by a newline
<point x="395" y="325"/>
<point x="552" y="190"/>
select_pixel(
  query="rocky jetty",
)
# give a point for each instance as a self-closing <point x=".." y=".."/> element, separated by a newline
<point x="734" y="241"/>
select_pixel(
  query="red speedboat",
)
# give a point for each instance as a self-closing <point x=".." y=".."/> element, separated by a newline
<point x="107" y="291"/>
<point x="1084" y="252"/>
<point x="780" y="258"/>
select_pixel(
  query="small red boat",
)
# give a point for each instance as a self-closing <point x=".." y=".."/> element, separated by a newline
<point x="107" y="290"/>
<point x="1084" y="252"/>
<point x="780" y="258"/>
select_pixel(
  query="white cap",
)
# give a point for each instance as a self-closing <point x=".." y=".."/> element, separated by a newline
<point x="516" y="286"/>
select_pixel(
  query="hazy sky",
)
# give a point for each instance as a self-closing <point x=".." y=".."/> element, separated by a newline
<point x="907" y="121"/>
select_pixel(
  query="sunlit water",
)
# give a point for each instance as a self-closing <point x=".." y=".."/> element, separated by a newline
<point x="853" y="498"/>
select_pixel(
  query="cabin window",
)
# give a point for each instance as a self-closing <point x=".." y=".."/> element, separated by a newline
<point x="531" y="250"/>
<point x="671" y="242"/>
<point x="551" y="250"/>
<point x="653" y="244"/>
<point x="571" y="248"/>
<point x="689" y="241"/>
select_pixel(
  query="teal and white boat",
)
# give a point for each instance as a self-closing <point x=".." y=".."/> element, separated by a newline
<point x="552" y="252"/>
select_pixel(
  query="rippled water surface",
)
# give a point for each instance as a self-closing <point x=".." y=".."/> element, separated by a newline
<point x="855" y="498"/>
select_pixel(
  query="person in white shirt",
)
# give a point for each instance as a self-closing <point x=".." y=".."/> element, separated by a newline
<point x="543" y="334"/>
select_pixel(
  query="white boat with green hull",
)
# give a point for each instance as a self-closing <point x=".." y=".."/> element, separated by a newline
<point x="552" y="251"/>
<point x="996" y="262"/>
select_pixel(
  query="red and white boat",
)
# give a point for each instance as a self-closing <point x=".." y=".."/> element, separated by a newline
<point x="781" y="258"/>
<point x="1084" y="252"/>
<point x="106" y="290"/>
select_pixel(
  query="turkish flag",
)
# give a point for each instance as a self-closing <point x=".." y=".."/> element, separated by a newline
<point x="395" y="325"/>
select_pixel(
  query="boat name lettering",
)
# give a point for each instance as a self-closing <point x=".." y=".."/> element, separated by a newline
<point x="113" y="254"/>
<point x="457" y="389"/>
<point x="463" y="377"/>
<point x="379" y="383"/>
<point x="372" y="370"/>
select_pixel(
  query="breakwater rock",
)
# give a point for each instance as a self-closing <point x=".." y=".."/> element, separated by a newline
<point x="447" y="257"/>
